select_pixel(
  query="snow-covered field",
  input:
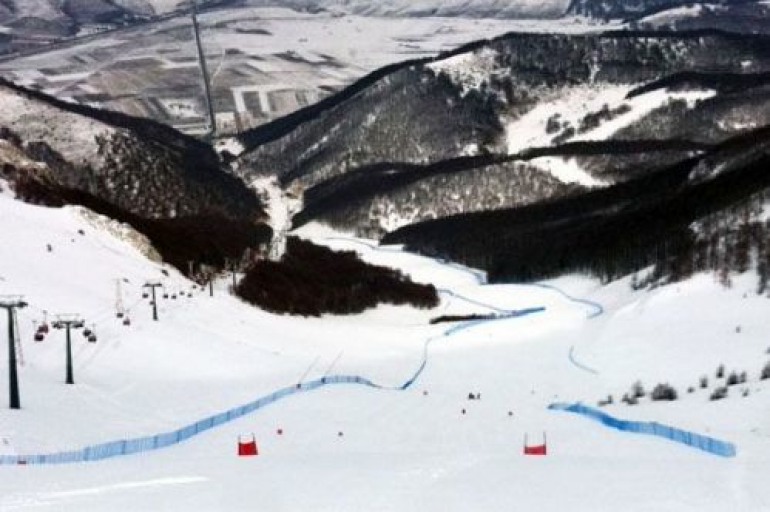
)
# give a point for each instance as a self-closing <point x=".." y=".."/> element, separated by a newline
<point x="466" y="8"/>
<point x="399" y="450"/>
<point x="265" y="62"/>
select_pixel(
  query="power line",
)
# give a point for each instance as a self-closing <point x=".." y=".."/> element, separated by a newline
<point x="11" y="304"/>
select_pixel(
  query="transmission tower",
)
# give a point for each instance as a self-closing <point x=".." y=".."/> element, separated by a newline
<point x="11" y="304"/>
<point x="204" y="72"/>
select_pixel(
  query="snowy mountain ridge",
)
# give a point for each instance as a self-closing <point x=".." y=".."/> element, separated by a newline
<point x="485" y="124"/>
<point x="139" y="165"/>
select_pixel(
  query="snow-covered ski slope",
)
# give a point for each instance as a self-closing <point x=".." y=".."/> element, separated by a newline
<point x="400" y="450"/>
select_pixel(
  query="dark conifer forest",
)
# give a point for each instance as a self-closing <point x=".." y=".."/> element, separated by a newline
<point x="311" y="280"/>
<point x="701" y="214"/>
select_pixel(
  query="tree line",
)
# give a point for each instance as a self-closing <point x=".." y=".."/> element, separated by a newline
<point x="311" y="280"/>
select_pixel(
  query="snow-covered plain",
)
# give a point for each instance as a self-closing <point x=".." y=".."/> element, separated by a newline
<point x="408" y="450"/>
<point x="265" y="62"/>
<point x="466" y="8"/>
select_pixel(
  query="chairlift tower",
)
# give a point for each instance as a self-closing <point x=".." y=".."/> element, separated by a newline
<point x="11" y="304"/>
<point x="153" y="286"/>
<point x="120" y="309"/>
<point x="69" y="322"/>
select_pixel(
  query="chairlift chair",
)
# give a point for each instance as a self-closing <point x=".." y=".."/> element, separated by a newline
<point x="92" y="338"/>
<point x="87" y="333"/>
<point x="127" y="321"/>
<point x="119" y="314"/>
<point x="39" y="336"/>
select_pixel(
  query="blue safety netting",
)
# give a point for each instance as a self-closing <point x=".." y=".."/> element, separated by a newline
<point x="691" y="439"/>
<point x="155" y="442"/>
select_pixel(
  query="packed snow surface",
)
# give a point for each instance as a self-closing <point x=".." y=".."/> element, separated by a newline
<point x="357" y="448"/>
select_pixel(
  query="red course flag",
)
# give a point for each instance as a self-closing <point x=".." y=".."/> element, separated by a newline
<point x="247" y="447"/>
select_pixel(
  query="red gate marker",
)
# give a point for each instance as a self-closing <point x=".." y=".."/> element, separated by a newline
<point x="247" y="447"/>
<point x="540" y="449"/>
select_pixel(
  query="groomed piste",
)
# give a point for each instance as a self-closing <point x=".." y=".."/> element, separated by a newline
<point x="125" y="447"/>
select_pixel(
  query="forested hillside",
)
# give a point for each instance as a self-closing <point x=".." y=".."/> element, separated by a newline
<point x="140" y="165"/>
<point x="427" y="139"/>
<point x="707" y="213"/>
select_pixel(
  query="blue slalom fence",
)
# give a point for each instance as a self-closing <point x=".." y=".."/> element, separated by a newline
<point x="691" y="439"/>
<point x="598" y="309"/>
<point x="506" y="316"/>
<point x="155" y="442"/>
<point x="577" y="363"/>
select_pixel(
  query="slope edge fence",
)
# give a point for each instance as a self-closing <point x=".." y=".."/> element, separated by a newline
<point x="156" y="442"/>
<point x="691" y="439"/>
